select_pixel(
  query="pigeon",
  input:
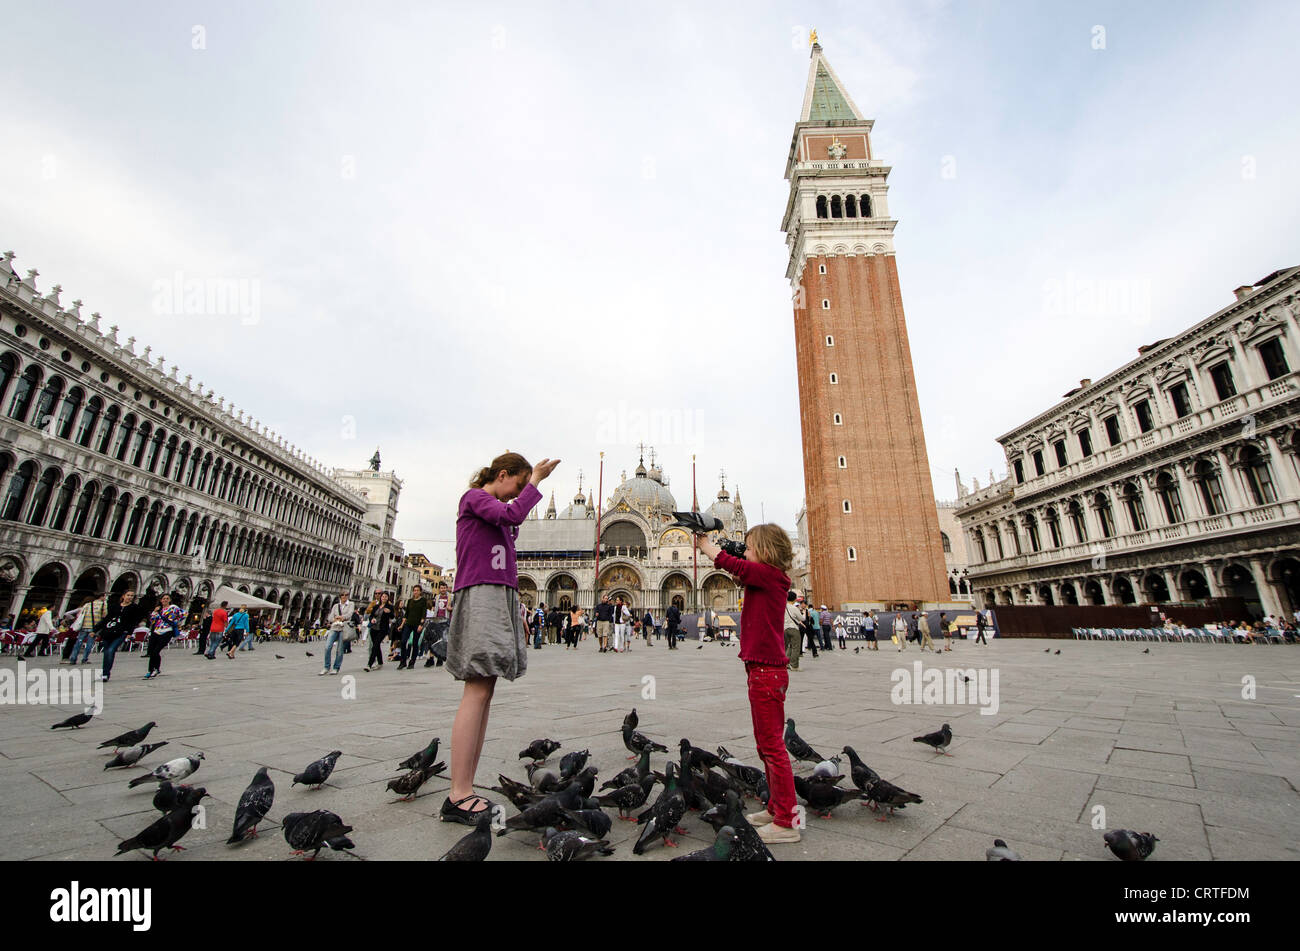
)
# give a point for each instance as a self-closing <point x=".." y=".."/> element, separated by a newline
<point x="887" y="794"/>
<point x="632" y="720"/>
<point x="313" y="831"/>
<point x="76" y="721"/>
<point x="1147" y="651"/>
<point x="548" y="811"/>
<point x="572" y="846"/>
<point x="702" y="759"/>
<point x="132" y="755"/>
<point x="310" y="654"/>
<point x="1057" y="651"/>
<point x="409" y="784"/>
<point x="166" y="831"/>
<point x="822" y="798"/>
<point x="965" y="679"/>
<point x="423" y="758"/>
<point x="168" y="796"/>
<point x="172" y="770"/>
<point x="719" y="851"/>
<point x="1047" y="650"/>
<point x="475" y="846"/>
<point x="637" y="743"/>
<point x="1001" y="852"/>
<point x="661" y="819"/>
<point x="856" y="649"/>
<point x="593" y="820"/>
<point x="129" y="738"/>
<point x="571" y="763"/>
<point x="748" y="847"/>
<point x="543" y="778"/>
<point x="539" y="750"/>
<point x="1130" y="846"/>
<point x="318" y="772"/>
<point x="862" y="774"/>
<point x="520" y="795"/>
<point x="631" y="776"/>
<point x="827" y="768"/>
<point x="938" y="739"/>
<point x="627" y="798"/>
<point x="253" y="806"/>
<point x="747" y="776"/>
<point x="279" y="657"/>
<point x="797" y="747"/>
<point x="585" y="781"/>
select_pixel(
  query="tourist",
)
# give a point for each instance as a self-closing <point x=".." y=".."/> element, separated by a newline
<point x="604" y="621"/>
<point x="254" y="625"/>
<point x="648" y="626"/>
<point x="575" y="628"/>
<point x="118" y="624"/>
<point x="763" y="572"/>
<point x="413" y="621"/>
<point x="813" y="637"/>
<point x="486" y="638"/>
<point x="209" y="638"/>
<point x="381" y="623"/>
<point x="900" y="631"/>
<point x="923" y="629"/>
<point x="237" y="625"/>
<point x="340" y="617"/>
<point x="838" y="625"/>
<point x="164" y="624"/>
<point x="869" y="630"/>
<point x="93" y="610"/>
<point x="439" y="621"/>
<point x="822" y="627"/>
<point x="980" y="625"/>
<point x="793" y="628"/>
<point x="44" y="628"/>
<point x="621" y="618"/>
<point x="673" y="618"/>
<point x="946" y="629"/>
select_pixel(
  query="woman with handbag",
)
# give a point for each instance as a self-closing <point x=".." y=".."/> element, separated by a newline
<point x="381" y="622"/>
<point x="117" y="625"/>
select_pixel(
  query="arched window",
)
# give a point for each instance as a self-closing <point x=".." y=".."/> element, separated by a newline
<point x="16" y="496"/>
<point x="102" y="511"/>
<point x="106" y="431"/>
<point x="821" y="206"/>
<point x="63" y="502"/>
<point x="1077" y="522"/>
<point x="1170" y="498"/>
<point x="851" y="207"/>
<point x="124" y="434"/>
<point x="8" y="367"/>
<point x="1210" y="489"/>
<point x="853" y="553"/>
<point x="1104" y="515"/>
<point x="68" y="413"/>
<point x="165" y="467"/>
<point x="1053" y="527"/>
<point x="85" y="502"/>
<point x="28" y="383"/>
<point x="1137" y="513"/>
<point x="864" y="205"/>
<point x="119" y="516"/>
<point x="1259" y="475"/>
<point x="947" y="544"/>
<point x="89" y="417"/>
<point x="155" y="446"/>
<point x="1031" y="526"/>
<point x="979" y="545"/>
<point x="141" y="441"/>
<point x="837" y="208"/>
<point x="49" y="399"/>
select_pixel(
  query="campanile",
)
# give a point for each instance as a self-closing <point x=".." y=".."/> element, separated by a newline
<point x="873" y="531"/>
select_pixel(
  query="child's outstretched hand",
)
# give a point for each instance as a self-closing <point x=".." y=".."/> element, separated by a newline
<point x="704" y="546"/>
<point x="543" y="469"/>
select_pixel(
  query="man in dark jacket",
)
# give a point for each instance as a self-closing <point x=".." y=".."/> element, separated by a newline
<point x="674" y="618"/>
<point x="604" y="621"/>
<point x="413" y="620"/>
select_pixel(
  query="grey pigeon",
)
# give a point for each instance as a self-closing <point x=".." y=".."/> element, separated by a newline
<point x="637" y="743"/>
<point x="253" y="806"/>
<point x="824" y="796"/>
<point x="548" y="811"/>
<point x="887" y="794"/>
<point x="475" y="846"/>
<point x="572" y="846"/>
<point x="939" y="740"/>
<point x="133" y="755"/>
<point x="130" y="737"/>
<point x="627" y="798"/>
<point x="828" y="767"/>
<point x="166" y="831"/>
<point x="1130" y="846"/>
<point x="593" y="820"/>
<point x="172" y="770"/>
<point x="76" y="721"/>
<point x="747" y="776"/>
<point x="571" y="763"/>
<point x="313" y="831"/>
<point x="795" y="744"/>
<point x="585" y="781"/>
<point x="543" y="778"/>
<point x="1001" y="852"/>
<point x="423" y="758"/>
<point x="168" y="797"/>
<point x="408" y="784"/>
<point x="748" y="847"/>
<point x="632" y="775"/>
<point x="538" y="750"/>
<point x="660" y="820"/>
<point x="862" y="774"/>
<point x="720" y="851"/>
<point x="319" y="771"/>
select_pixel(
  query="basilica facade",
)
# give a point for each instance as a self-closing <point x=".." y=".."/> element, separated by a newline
<point x="642" y="558"/>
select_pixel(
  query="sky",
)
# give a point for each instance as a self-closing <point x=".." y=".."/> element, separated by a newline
<point x="555" y="228"/>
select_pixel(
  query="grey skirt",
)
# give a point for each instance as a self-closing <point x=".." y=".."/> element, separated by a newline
<point x="487" y="637"/>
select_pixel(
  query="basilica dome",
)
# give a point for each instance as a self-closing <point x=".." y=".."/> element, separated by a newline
<point x="645" y="491"/>
<point x="723" y="508"/>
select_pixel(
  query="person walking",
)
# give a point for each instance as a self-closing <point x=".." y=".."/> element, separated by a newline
<point x="339" y="618"/>
<point x="575" y="628"/>
<point x="438" y="622"/>
<point x="44" y="628"/>
<point x="923" y="628"/>
<point x="212" y="636"/>
<point x="946" y="628"/>
<point x="486" y="637"/>
<point x="793" y="623"/>
<point x="869" y="631"/>
<point x="118" y="624"/>
<point x="254" y="625"/>
<point x="648" y="626"/>
<point x="164" y="624"/>
<point x="805" y="608"/>
<point x="604" y="621"/>
<point x="979" y="629"/>
<point x="413" y="621"/>
<point x="824" y="625"/>
<point x="900" y="631"/>
<point x="235" y="628"/>
<point x="673" y="619"/>
<point x="838" y="626"/>
<point x="92" y="612"/>
<point x="381" y="625"/>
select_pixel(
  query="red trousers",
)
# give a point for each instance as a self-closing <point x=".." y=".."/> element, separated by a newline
<point x="767" y="687"/>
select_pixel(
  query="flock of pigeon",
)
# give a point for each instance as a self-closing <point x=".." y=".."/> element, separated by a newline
<point x="562" y="806"/>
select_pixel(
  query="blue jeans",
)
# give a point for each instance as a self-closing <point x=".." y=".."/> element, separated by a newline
<point x="334" y="640"/>
<point x="248" y="642"/>
<point x="110" y="651"/>
<point x="87" y="638"/>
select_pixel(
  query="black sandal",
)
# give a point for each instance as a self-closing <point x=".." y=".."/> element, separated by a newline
<point x="455" y="811"/>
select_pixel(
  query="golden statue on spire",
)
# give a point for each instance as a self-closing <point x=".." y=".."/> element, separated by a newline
<point x="812" y="38"/>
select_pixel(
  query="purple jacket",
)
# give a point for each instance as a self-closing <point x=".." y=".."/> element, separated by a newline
<point x="485" y="537"/>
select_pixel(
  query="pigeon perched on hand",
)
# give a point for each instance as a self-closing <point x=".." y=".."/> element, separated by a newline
<point x="475" y="846"/>
<point x="76" y="721"/>
<point x="795" y="744"/>
<point x="939" y="740"/>
<point x="253" y="806"/>
<point x="570" y="845"/>
<point x="172" y="770"/>
<point x="1130" y="846"/>
<point x="861" y="774"/>
<point x="720" y="851"/>
<point x="167" y="831"/>
<point x="319" y="771"/>
<point x="539" y="750"/>
<point x="130" y="737"/>
<point x="1001" y="852"/>
<point x="133" y="755"/>
<point x="313" y="831"/>
<point x="423" y="758"/>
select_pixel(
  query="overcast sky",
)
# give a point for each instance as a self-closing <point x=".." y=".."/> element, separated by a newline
<point x="555" y="228"/>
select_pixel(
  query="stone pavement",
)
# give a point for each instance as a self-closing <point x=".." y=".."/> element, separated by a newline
<point x="1164" y="742"/>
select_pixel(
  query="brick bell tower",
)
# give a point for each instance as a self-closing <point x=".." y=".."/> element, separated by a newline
<point x="873" y="530"/>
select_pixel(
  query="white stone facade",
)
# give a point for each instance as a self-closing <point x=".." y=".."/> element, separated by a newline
<point x="1174" y="478"/>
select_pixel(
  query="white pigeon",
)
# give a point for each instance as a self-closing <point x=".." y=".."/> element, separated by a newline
<point x="828" y="768"/>
<point x="1001" y="852"/>
<point x="173" y="770"/>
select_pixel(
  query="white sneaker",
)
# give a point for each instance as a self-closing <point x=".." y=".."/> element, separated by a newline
<point x="774" y="834"/>
<point x="334" y="673"/>
<point x="760" y="818"/>
<point x="323" y="672"/>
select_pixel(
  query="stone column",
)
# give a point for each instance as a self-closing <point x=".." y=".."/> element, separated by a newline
<point x="1247" y="375"/>
<point x="1171" y="579"/>
<point x="1233" y="491"/>
<point x="1284" y="474"/>
<point x="1210" y="570"/>
<point x="1268" y="595"/>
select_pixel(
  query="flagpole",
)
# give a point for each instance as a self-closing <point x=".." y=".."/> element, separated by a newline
<point x="695" y="552"/>
<point x="600" y="495"/>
